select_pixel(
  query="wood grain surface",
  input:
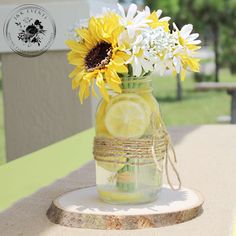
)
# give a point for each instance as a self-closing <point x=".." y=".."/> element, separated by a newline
<point x="83" y="209"/>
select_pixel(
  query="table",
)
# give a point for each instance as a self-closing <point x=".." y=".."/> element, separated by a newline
<point x="229" y="87"/>
<point x="27" y="174"/>
<point x="207" y="160"/>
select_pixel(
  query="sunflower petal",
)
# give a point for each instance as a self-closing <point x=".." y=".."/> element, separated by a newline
<point x="93" y="90"/>
<point x="73" y="45"/>
<point x="84" y="33"/>
<point x="116" y="87"/>
<point x="104" y="93"/>
<point x="123" y="55"/>
<point x="112" y="75"/>
<point x="120" y="68"/>
<point x="77" y="79"/>
<point x="83" y="92"/>
<point x="101" y="85"/>
<point x="75" y="58"/>
<point x="74" y="72"/>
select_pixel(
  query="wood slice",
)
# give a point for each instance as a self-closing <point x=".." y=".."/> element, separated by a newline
<point x="82" y="208"/>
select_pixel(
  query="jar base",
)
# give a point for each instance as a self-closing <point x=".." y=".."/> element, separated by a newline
<point x="116" y="197"/>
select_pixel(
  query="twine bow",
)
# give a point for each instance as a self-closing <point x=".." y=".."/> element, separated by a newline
<point x="169" y="147"/>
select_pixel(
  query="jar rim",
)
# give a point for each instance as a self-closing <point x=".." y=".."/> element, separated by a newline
<point x="132" y="79"/>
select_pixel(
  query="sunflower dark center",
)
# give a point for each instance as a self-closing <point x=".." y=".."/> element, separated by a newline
<point x="98" y="57"/>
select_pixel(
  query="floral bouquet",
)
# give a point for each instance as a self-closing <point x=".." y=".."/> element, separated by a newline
<point x="117" y="52"/>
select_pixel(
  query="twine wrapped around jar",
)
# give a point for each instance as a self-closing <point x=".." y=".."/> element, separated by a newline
<point x="152" y="149"/>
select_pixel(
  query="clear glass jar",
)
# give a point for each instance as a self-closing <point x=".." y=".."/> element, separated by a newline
<point x="131" y="177"/>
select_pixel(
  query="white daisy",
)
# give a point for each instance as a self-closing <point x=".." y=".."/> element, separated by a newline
<point x="185" y="36"/>
<point x="138" y="60"/>
<point x="158" y="13"/>
<point x="134" y="20"/>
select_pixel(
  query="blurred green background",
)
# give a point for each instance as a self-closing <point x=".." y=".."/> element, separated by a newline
<point x="195" y="107"/>
<point x="180" y="104"/>
<point x="215" y="21"/>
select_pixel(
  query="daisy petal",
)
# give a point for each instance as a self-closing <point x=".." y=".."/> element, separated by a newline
<point x="177" y="64"/>
<point x="147" y="66"/>
<point x="138" y="40"/>
<point x="140" y="18"/>
<point x="166" y="18"/>
<point x="137" y="68"/>
<point x="132" y="11"/>
<point x="121" y="9"/>
<point x="178" y="50"/>
<point x="131" y="31"/>
<point x="186" y="30"/>
<point x="196" y="42"/>
<point x="159" y="12"/>
<point x="193" y="37"/>
<point x="147" y="10"/>
<point x="175" y="27"/>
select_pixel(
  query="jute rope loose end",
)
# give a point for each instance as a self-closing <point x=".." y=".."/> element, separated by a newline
<point x="168" y="159"/>
<point x="169" y="147"/>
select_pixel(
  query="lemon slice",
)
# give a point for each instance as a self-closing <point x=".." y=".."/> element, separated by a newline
<point x="126" y="119"/>
<point x="133" y="98"/>
<point x="112" y="166"/>
<point x="152" y="102"/>
<point x="101" y="130"/>
<point x="119" y="196"/>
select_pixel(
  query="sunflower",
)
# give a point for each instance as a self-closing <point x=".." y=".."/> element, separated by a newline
<point x="97" y="56"/>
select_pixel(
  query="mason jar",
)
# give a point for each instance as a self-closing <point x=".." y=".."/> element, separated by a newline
<point x="129" y="146"/>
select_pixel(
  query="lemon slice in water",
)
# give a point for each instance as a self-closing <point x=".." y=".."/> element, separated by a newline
<point x="101" y="130"/>
<point x="120" y="197"/>
<point x="126" y="119"/>
<point x="132" y="98"/>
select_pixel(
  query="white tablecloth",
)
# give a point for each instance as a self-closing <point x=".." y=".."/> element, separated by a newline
<point x="207" y="162"/>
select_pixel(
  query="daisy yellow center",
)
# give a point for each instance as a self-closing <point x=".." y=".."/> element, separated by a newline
<point x="139" y="53"/>
<point x="181" y="40"/>
<point x="129" y="22"/>
<point x="98" y="57"/>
